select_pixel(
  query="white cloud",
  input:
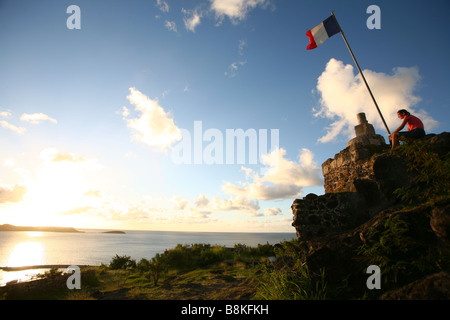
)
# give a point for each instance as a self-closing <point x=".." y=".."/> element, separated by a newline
<point x="235" y="10"/>
<point x="5" y="114"/>
<point x="283" y="180"/>
<point x="204" y="206"/>
<point x="171" y="26"/>
<point x="242" y="45"/>
<point x="233" y="68"/>
<point x="36" y="118"/>
<point x="180" y="203"/>
<point x="239" y="203"/>
<point x="273" y="211"/>
<point x="202" y="201"/>
<point x="125" y="112"/>
<point x="192" y="19"/>
<point x="53" y="155"/>
<point x="7" y="125"/>
<point x="163" y="6"/>
<point x="343" y="95"/>
<point x="154" y="126"/>
<point x="12" y="193"/>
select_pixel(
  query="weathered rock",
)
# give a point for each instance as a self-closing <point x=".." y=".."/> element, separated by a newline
<point x="358" y="184"/>
<point x="432" y="287"/>
<point x="339" y="253"/>
<point x="439" y="143"/>
<point x="440" y="222"/>
<point x="390" y="173"/>
<point x="359" y="201"/>
<point x="316" y="216"/>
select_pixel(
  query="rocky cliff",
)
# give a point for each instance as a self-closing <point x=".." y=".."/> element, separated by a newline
<point x="363" y="219"/>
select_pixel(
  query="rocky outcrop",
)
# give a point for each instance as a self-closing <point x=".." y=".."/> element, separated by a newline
<point x="432" y="287"/>
<point x="359" y="206"/>
<point x="341" y="256"/>
<point x="359" y="183"/>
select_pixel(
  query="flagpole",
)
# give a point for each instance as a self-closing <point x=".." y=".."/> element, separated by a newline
<point x="362" y="75"/>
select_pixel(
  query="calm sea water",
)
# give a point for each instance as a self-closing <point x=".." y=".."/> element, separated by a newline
<point x="93" y="247"/>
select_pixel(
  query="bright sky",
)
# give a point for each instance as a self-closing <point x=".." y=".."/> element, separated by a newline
<point x="124" y="122"/>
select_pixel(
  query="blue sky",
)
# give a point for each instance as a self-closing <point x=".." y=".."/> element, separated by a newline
<point x="89" y="117"/>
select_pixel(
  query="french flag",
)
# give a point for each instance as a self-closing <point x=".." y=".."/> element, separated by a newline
<point x="322" y="32"/>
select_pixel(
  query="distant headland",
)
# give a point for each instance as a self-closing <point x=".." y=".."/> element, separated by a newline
<point x="10" y="227"/>
<point x="115" y="231"/>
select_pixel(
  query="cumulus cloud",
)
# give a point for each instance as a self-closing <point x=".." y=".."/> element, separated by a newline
<point x="36" y="118"/>
<point x="235" y="10"/>
<point x="202" y="201"/>
<point x="203" y="206"/>
<point x="273" y="211"/>
<point x="240" y="203"/>
<point x="154" y="126"/>
<point x="12" y="193"/>
<point x="180" y="203"/>
<point x="283" y="180"/>
<point x="343" y="94"/>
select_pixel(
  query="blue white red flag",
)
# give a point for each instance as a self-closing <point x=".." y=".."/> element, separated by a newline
<point x="322" y="32"/>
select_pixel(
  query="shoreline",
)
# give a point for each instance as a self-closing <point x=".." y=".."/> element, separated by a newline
<point x="42" y="266"/>
<point x="12" y="228"/>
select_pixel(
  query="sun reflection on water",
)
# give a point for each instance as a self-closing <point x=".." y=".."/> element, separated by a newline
<point x="34" y="234"/>
<point x="26" y="253"/>
<point x="30" y="252"/>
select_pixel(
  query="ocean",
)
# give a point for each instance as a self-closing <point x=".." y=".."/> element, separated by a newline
<point x="94" y="247"/>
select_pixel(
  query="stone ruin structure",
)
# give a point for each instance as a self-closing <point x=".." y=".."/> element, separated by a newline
<point x="351" y="163"/>
<point x="352" y="193"/>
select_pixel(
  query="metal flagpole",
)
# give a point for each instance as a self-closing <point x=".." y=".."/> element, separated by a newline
<point x="360" y="72"/>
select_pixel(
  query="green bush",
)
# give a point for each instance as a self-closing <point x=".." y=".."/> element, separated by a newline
<point x="122" y="262"/>
<point x="184" y="257"/>
<point x="431" y="173"/>
<point x="405" y="248"/>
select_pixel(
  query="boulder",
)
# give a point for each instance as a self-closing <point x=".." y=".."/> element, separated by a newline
<point x="432" y="287"/>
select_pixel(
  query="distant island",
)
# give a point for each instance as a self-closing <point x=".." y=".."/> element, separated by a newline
<point x="10" y="227"/>
<point x="114" y="231"/>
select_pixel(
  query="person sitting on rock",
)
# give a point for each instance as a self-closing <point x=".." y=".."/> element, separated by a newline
<point x="415" y="128"/>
